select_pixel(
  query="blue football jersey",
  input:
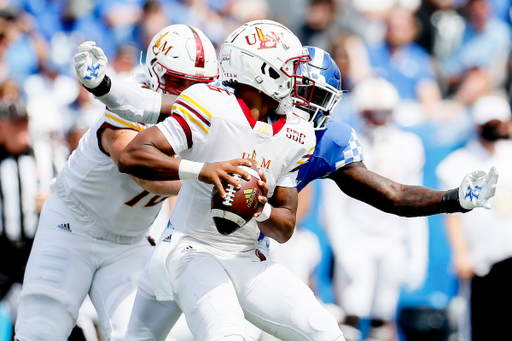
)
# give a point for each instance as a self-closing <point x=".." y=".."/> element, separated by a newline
<point x="336" y="146"/>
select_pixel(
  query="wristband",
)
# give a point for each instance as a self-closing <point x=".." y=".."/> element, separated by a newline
<point x="452" y="203"/>
<point x="265" y="213"/>
<point x="102" y="89"/>
<point x="189" y="170"/>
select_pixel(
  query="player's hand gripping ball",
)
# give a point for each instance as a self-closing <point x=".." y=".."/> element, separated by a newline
<point x="240" y="205"/>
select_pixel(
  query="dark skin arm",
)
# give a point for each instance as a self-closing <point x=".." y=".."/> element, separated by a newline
<point x="281" y="223"/>
<point x="358" y="182"/>
<point x="148" y="157"/>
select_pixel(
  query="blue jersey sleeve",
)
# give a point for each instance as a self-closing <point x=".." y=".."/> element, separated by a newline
<point x="338" y="146"/>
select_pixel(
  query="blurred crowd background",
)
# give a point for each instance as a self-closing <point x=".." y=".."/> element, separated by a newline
<point x="440" y="55"/>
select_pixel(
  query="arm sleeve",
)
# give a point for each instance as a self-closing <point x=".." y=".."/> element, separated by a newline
<point x="133" y="102"/>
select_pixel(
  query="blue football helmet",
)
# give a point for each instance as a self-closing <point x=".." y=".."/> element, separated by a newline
<point x="321" y="89"/>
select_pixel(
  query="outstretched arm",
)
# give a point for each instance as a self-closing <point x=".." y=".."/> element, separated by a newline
<point x="413" y="201"/>
<point x="133" y="103"/>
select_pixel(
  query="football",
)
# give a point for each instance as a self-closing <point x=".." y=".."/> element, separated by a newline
<point x="238" y="208"/>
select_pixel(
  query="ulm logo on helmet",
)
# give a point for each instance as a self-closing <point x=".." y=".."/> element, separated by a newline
<point x="266" y="41"/>
<point x="158" y="47"/>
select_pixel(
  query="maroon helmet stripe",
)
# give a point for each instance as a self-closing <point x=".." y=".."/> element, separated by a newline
<point x="199" y="49"/>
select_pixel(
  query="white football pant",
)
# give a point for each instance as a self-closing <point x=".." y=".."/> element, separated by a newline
<point x="65" y="264"/>
<point x="218" y="290"/>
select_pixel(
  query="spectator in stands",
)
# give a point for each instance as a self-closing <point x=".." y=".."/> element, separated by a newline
<point x="242" y="11"/>
<point x="404" y="63"/>
<point x="124" y="63"/>
<point x="375" y="252"/>
<point x="26" y="169"/>
<point x="480" y="61"/>
<point x="48" y="93"/>
<point x="21" y="46"/>
<point x="349" y="53"/>
<point x="121" y="17"/>
<point x="441" y="26"/>
<point x="153" y="18"/>
<point x="482" y="241"/>
<point x="367" y="18"/>
<point x="318" y="30"/>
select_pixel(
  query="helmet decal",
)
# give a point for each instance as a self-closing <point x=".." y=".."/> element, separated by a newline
<point x="199" y="49"/>
<point x="157" y="48"/>
<point x="266" y="41"/>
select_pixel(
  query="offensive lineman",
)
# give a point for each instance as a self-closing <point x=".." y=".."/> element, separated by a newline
<point x="91" y="233"/>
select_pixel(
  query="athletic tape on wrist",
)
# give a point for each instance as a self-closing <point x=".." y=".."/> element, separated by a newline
<point x="189" y="169"/>
<point x="451" y="202"/>
<point x="102" y="88"/>
<point x="265" y="214"/>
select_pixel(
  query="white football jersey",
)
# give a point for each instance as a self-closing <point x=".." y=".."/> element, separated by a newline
<point x="210" y="124"/>
<point x="92" y="186"/>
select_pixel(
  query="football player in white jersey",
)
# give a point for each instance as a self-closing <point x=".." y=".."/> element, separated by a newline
<point x="219" y="280"/>
<point x="90" y="238"/>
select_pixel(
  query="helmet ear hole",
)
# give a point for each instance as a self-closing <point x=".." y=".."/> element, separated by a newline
<point x="273" y="73"/>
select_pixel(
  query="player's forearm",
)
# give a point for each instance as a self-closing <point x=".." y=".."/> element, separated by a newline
<point x="148" y="163"/>
<point x="282" y="220"/>
<point x="148" y="156"/>
<point x="416" y="201"/>
<point x="389" y="196"/>
<point x="133" y="102"/>
<point x="280" y="225"/>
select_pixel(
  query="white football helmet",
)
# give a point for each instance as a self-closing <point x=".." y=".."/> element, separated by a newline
<point x="265" y="55"/>
<point x="180" y="51"/>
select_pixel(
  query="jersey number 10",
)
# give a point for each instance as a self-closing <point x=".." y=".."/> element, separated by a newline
<point x="155" y="200"/>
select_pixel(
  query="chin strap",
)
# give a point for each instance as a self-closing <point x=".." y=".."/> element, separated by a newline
<point x="302" y="113"/>
<point x="285" y="106"/>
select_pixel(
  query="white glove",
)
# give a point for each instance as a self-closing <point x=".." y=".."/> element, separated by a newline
<point x="90" y="64"/>
<point x="477" y="188"/>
